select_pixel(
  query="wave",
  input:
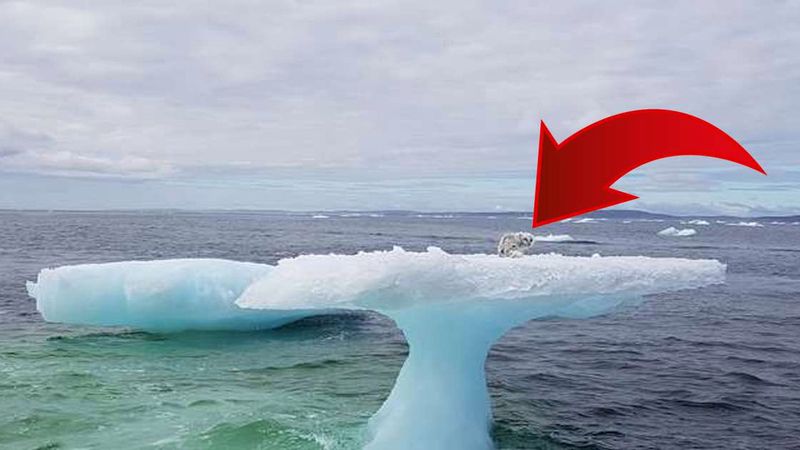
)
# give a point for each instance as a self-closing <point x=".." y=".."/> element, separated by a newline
<point x="451" y="309"/>
<point x="435" y="216"/>
<point x="674" y="232"/>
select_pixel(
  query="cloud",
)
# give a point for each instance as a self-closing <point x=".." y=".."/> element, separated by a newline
<point x="71" y="164"/>
<point x="23" y="151"/>
<point x="379" y="87"/>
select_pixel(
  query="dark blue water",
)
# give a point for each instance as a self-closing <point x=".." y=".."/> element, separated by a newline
<point x="714" y="368"/>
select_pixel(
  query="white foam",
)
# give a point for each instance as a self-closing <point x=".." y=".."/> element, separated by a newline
<point x="697" y="222"/>
<point x="745" y="224"/>
<point x="435" y="216"/>
<point x="674" y="232"/>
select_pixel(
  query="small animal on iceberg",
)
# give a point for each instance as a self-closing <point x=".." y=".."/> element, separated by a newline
<point x="514" y="245"/>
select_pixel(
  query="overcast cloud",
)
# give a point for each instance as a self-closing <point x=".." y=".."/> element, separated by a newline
<point x="281" y="104"/>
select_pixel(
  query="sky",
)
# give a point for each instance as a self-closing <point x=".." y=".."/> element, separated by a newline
<point x="318" y="105"/>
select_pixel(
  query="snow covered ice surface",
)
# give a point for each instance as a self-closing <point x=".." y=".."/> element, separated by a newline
<point x="451" y="308"/>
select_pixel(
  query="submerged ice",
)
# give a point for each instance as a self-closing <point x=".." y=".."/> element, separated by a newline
<point x="451" y="308"/>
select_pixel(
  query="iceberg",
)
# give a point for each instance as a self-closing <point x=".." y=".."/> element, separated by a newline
<point x="451" y="309"/>
<point x="166" y="295"/>
<point x="697" y="222"/>
<point x="674" y="232"/>
<point x="553" y="238"/>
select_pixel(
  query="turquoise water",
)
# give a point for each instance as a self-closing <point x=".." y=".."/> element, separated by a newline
<point x="311" y="385"/>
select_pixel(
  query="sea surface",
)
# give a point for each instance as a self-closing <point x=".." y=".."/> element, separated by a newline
<point x="713" y="368"/>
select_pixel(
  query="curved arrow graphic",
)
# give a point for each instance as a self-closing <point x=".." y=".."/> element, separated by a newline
<point x="575" y="176"/>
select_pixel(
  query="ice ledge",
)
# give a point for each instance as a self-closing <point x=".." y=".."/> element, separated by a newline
<point x="451" y="308"/>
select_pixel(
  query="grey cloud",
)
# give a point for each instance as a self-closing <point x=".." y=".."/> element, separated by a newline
<point x="23" y="151"/>
<point x="380" y="86"/>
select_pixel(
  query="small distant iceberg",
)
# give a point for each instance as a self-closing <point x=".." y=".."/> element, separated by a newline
<point x="553" y="238"/>
<point x="745" y="224"/>
<point x="586" y="220"/>
<point x="320" y="216"/>
<point x="697" y="222"/>
<point x="373" y="215"/>
<point x="674" y="232"/>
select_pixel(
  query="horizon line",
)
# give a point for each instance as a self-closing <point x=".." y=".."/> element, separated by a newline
<point x="613" y="212"/>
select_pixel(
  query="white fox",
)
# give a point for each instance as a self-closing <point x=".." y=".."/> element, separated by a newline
<point x="514" y="245"/>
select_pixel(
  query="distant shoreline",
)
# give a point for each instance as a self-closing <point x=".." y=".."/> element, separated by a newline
<point x="607" y="214"/>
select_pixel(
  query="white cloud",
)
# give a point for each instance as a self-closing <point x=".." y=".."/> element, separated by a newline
<point x="72" y="164"/>
<point x="380" y="86"/>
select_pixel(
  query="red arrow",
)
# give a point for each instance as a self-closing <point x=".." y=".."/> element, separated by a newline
<point x="575" y="177"/>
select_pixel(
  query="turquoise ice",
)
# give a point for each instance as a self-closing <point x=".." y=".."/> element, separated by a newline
<point x="451" y="308"/>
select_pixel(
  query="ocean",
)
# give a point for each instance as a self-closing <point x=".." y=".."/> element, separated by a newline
<point x="711" y="368"/>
